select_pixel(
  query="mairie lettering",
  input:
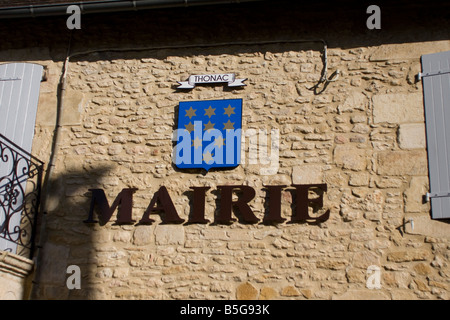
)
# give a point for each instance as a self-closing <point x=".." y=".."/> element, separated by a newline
<point x="162" y="204"/>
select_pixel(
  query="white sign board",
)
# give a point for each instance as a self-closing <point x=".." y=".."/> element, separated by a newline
<point x="229" y="78"/>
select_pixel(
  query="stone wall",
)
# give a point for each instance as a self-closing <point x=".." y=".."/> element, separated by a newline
<point x="364" y="136"/>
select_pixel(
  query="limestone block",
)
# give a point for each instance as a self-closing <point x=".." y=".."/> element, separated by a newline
<point x="308" y="174"/>
<point x="73" y="106"/>
<point x="398" y="108"/>
<point x="46" y="115"/>
<point x="355" y="275"/>
<point x="422" y="286"/>
<point x="399" y="163"/>
<point x="246" y="291"/>
<point x="350" y="157"/>
<point x="290" y="291"/>
<point x="115" y="149"/>
<point x="412" y="136"/>
<point x="137" y="259"/>
<point x="336" y="264"/>
<point x="423" y="269"/>
<point x="101" y="139"/>
<point x="307" y="293"/>
<point x="122" y="236"/>
<point x="354" y="101"/>
<point x="268" y="293"/>
<point x="388" y="182"/>
<point x="418" y="187"/>
<point x="169" y="234"/>
<point x="48" y="104"/>
<point x="407" y="256"/>
<point x="426" y="226"/>
<point x="239" y="235"/>
<point x="359" y="179"/>
<point x="364" y="259"/>
<point x="143" y="235"/>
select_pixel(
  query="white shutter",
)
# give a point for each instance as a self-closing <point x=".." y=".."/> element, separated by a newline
<point x="436" y="87"/>
<point x="19" y="94"/>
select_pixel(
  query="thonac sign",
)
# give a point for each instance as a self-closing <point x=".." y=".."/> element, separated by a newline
<point x="228" y="78"/>
<point x="305" y="196"/>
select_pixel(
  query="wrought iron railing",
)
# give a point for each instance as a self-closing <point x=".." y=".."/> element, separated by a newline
<point x="20" y="191"/>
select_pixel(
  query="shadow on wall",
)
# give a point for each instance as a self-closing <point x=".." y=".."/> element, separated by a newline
<point x="341" y="24"/>
<point x="66" y="239"/>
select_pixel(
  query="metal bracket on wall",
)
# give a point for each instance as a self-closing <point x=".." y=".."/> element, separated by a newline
<point x="10" y="79"/>
<point x="420" y="75"/>
<point x="428" y="196"/>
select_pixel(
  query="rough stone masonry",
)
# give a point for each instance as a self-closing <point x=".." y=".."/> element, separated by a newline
<point x="363" y="136"/>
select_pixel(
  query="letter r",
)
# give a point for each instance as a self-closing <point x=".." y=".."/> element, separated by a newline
<point x="226" y="204"/>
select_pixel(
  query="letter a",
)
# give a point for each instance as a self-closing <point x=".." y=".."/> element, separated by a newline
<point x="165" y="206"/>
<point x="74" y="21"/>
<point x="374" y="279"/>
<point x="74" y="280"/>
<point x="374" y="21"/>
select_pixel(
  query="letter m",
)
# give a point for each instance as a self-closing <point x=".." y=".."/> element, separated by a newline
<point x="123" y="203"/>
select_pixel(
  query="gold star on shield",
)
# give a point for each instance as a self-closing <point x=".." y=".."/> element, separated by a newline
<point x="209" y="126"/>
<point x="210" y="112"/>
<point x="219" y="141"/>
<point x="190" y="113"/>
<point x="229" y="125"/>
<point x="229" y="111"/>
<point x="197" y="142"/>
<point x="207" y="157"/>
<point x="189" y="127"/>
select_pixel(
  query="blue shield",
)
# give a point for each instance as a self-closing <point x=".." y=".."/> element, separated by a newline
<point x="208" y="134"/>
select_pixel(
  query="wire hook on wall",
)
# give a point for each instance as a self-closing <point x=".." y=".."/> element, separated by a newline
<point x="324" y="81"/>
<point x="402" y="228"/>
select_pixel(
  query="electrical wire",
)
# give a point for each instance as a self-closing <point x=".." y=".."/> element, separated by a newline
<point x="324" y="80"/>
